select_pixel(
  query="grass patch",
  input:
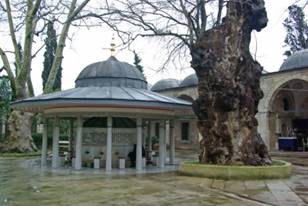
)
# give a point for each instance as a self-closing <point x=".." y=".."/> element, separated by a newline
<point x="16" y="154"/>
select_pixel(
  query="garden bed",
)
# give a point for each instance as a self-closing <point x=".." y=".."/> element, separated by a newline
<point x="280" y="169"/>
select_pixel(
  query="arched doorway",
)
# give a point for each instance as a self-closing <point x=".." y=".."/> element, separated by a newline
<point x="288" y="112"/>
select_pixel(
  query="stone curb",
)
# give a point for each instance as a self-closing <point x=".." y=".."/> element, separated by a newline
<point x="236" y="172"/>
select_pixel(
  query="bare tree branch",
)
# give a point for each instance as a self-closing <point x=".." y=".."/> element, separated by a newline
<point x="12" y="32"/>
<point x="8" y="69"/>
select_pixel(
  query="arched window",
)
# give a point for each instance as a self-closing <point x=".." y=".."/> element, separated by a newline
<point x="286" y="105"/>
<point x="185" y="131"/>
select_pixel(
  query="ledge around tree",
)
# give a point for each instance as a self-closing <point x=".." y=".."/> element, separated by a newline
<point x="280" y="169"/>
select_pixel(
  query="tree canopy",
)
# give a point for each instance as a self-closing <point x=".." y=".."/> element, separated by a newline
<point x="49" y="55"/>
<point x="297" y="30"/>
<point x="5" y="94"/>
<point x="177" y="24"/>
<point x="137" y="61"/>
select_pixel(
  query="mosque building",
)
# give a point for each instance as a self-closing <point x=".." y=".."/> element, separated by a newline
<point x="282" y="112"/>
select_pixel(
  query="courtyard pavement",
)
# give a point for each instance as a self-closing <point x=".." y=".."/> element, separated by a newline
<point x="23" y="183"/>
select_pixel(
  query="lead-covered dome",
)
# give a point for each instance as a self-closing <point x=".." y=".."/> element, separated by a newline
<point x="111" y="73"/>
<point x="165" y="84"/>
<point x="190" y="80"/>
<point x="297" y="60"/>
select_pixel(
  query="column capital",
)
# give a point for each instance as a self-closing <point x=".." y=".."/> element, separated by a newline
<point x="162" y="124"/>
<point x="56" y="121"/>
<point x="139" y="122"/>
<point x="44" y="120"/>
<point x="171" y="122"/>
<point x="109" y="121"/>
<point x="79" y="121"/>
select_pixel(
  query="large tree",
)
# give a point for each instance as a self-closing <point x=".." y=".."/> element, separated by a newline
<point x="297" y="30"/>
<point x="217" y="35"/>
<point x="27" y="20"/>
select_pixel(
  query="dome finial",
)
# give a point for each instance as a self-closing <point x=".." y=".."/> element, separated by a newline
<point x="112" y="44"/>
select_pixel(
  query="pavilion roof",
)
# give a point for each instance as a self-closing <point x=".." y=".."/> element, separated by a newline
<point x="101" y="96"/>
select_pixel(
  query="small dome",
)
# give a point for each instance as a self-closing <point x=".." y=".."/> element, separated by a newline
<point x="296" y="61"/>
<point x="190" y="80"/>
<point x="165" y="84"/>
<point x="111" y="73"/>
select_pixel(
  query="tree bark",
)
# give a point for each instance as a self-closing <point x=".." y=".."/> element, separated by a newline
<point x="19" y="138"/>
<point x="229" y="88"/>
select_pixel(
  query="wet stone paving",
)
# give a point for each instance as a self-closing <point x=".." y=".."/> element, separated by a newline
<point x="23" y="183"/>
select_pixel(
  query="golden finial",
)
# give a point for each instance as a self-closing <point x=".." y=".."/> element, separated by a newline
<point x="112" y="49"/>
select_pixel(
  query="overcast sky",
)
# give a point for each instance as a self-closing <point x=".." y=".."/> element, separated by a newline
<point x="88" y="47"/>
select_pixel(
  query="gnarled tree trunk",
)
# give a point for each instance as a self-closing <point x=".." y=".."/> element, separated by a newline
<point x="19" y="138"/>
<point x="229" y="88"/>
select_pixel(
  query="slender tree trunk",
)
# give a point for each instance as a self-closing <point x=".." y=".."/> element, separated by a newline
<point x="229" y="89"/>
<point x="30" y="86"/>
<point x="73" y="11"/>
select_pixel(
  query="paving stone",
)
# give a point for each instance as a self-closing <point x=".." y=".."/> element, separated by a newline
<point x="237" y="187"/>
<point x="255" y="185"/>
<point x="264" y="196"/>
<point x="277" y="185"/>
<point x="206" y="183"/>
<point x="218" y="184"/>
<point x="283" y="194"/>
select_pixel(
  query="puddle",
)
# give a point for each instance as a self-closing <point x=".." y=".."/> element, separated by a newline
<point x="23" y="182"/>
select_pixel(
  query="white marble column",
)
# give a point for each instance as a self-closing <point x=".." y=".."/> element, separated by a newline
<point x="144" y="135"/>
<point x="172" y="145"/>
<point x="70" y="138"/>
<point x="78" y="158"/>
<point x="167" y="138"/>
<point x="162" y="144"/>
<point x="44" y="144"/>
<point x="152" y="134"/>
<point x="139" y="145"/>
<point x="278" y="124"/>
<point x="278" y="130"/>
<point x="148" y="138"/>
<point x="55" y="143"/>
<point x="109" y="145"/>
